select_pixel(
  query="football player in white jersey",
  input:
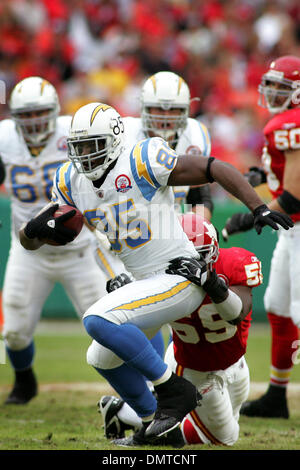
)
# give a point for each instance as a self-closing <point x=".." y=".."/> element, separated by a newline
<point x="126" y="193"/>
<point x="32" y="146"/>
<point x="165" y="106"/>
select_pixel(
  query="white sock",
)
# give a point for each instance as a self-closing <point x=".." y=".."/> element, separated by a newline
<point x="128" y="416"/>
<point x="167" y="374"/>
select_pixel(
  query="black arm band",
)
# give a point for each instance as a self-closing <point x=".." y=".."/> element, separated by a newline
<point x="200" y="195"/>
<point x="2" y="171"/>
<point x="289" y="203"/>
<point x="216" y="288"/>
<point x="209" y="177"/>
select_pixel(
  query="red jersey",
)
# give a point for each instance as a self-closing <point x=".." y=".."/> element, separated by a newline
<point x="282" y="133"/>
<point x="202" y="340"/>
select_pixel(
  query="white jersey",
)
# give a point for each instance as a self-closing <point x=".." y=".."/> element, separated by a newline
<point x="134" y="206"/>
<point x="194" y="139"/>
<point x="29" y="179"/>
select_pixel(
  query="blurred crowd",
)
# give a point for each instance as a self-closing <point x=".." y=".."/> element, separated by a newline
<point x="103" y="50"/>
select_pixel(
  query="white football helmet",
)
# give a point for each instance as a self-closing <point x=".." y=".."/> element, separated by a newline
<point x="31" y="95"/>
<point x="167" y="91"/>
<point x="96" y="139"/>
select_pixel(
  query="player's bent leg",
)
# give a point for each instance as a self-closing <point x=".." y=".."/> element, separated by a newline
<point x="127" y="381"/>
<point x="277" y="303"/>
<point x="273" y="404"/>
<point x="25" y="385"/>
<point x="21" y="314"/>
<point x="216" y="420"/>
<point x="175" y="396"/>
<point x="148" y="304"/>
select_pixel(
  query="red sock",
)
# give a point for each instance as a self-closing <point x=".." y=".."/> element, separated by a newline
<point x="189" y="432"/>
<point x="284" y="334"/>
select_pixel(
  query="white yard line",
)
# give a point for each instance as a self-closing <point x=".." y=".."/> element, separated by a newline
<point x="255" y="387"/>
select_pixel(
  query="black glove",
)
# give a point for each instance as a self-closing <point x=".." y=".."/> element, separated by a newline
<point x="192" y="269"/>
<point x="256" y="176"/>
<point x="239" y="222"/>
<point x="117" y="282"/>
<point x="264" y="216"/>
<point x="261" y="216"/>
<point x="46" y="226"/>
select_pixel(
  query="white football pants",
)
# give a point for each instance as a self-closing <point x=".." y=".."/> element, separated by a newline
<point x="282" y="295"/>
<point x="30" y="277"/>
<point x="216" y="421"/>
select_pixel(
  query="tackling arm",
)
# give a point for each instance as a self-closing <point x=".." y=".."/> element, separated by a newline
<point x="287" y="203"/>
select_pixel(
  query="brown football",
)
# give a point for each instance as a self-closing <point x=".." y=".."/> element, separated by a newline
<point x="74" y="223"/>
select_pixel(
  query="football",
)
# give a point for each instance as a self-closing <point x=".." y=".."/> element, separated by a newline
<point x="74" y="223"/>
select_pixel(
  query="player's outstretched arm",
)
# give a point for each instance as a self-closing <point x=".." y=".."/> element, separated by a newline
<point x="192" y="170"/>
<point x="46" y="226"/>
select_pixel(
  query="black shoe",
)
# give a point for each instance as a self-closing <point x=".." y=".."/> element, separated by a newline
<point x="136" y="439"/>
<point x="272" y="404"/>
<point x="114" y="428"/>
<point x="25" y="388"/>
<point x="176" y="398"/>
<point x="173" y="438"/>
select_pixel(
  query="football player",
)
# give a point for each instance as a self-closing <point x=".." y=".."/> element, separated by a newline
<point x="126" y="193"/>
<point x="32" y="146"/>
<point x="165" y="106"/>
<point x="279" y="92"/>
<point x="207" y="349"/>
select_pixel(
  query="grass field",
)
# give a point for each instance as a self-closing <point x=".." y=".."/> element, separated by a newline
<point x="64" y="414"/>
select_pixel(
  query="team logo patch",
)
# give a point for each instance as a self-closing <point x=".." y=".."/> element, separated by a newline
<point x="193" y="150"/>
<point x="62" y="144"/>
<point x="123" y="183"/>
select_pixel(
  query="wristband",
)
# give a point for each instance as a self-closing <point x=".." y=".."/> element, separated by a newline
<point x="289" y="203"/>
<point x="216" y="288"/>
<point x="209" y="176"/>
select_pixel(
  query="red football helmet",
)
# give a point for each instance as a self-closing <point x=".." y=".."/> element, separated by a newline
<point x="280" y="86"/>
<point x="203" y="234"/>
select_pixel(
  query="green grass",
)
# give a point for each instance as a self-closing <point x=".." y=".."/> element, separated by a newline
<point x="68" y="419"/>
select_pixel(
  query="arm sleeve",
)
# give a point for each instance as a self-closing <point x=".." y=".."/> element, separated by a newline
<point x="200" y="195"/>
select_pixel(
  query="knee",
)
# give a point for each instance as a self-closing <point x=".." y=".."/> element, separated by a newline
<point x="16" y="341"/>
<point x="92" y="324"/>
<point x="102" y="358"/>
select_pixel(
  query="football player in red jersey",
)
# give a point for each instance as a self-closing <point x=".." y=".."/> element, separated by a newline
<point x="279" y="92"/>
<point x="206" y="349"/>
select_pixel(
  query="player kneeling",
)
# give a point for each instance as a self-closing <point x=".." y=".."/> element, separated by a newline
<point x="208" y="346"/>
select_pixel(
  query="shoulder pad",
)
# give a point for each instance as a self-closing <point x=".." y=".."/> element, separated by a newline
<point x="286" y="120"/>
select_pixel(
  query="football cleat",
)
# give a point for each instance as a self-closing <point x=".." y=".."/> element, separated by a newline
<point x="173" y="438"/>
<point x="263" y="407"/>
<point x="175" y="399"/>
<point x="114" y="428"/>
<point x="24" y="389"/>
